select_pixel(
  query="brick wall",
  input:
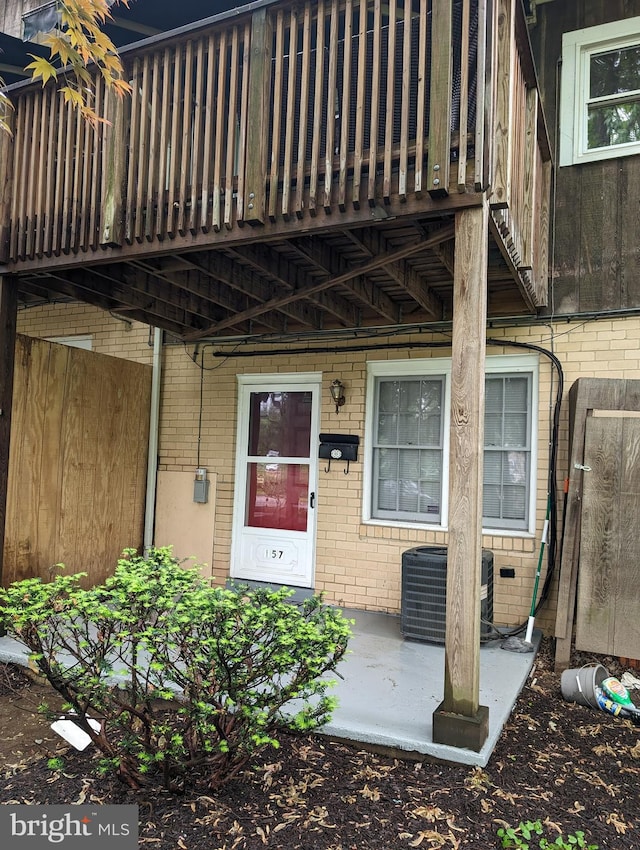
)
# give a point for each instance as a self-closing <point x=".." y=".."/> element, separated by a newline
<point x="357" y="564"/>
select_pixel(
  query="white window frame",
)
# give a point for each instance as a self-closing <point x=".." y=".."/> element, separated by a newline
<point x="577" y="48"/>
<point x="84" y="341"/>
<point x="441" y="366"/>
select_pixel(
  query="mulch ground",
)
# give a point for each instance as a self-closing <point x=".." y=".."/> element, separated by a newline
<point x="573" y="768"/>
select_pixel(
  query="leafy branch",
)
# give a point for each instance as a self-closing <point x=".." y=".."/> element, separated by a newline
<point x="75" y="46"/>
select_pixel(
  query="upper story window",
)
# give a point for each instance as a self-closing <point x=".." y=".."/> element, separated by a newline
<point x="600" y="92"/>
<point x="408" y="419"/>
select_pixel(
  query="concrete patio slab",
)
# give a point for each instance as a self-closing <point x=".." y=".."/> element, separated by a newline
<point x="390" y="688"/>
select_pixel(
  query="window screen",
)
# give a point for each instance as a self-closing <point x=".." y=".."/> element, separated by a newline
<point x="407" y="451"/>
<point x="507" y="451"/>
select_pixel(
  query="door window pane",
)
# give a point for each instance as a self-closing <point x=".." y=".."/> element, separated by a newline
<point x="277" y="496"/>
<point x="280" y="424"/>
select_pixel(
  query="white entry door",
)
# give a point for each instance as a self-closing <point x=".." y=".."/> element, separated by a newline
<point x="276" y="479"/>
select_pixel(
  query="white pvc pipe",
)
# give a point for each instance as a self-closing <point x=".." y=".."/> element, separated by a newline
<point x="152" y="457"/>
<point x="529" y="634"/>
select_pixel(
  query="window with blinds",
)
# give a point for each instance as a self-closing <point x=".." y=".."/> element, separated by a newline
<point x="407" y="454"/>
<point x="507" y="451"/>
<point x="407" y="479"/>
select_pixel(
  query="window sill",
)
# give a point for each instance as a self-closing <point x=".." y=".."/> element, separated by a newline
<point x="510" y="533"/>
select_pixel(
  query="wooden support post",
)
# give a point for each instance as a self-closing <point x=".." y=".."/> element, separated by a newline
<point x="440" y="98"/>
<point x="460" y="721"/>
<point x="8" y="316"/>
<point x="258" y="109"/>
<point x="114" y="176"/>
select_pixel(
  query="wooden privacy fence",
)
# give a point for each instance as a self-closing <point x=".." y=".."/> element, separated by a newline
<point x="77" y="464"/>
<point x="281" y="113"/>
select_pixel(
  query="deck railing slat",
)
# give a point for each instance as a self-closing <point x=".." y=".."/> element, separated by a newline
<point x="403" y="167"/>
<point x="440" y="100"/>
<point x="185" y="139"/>
<point x="77" y="198"/>
<point x="85" y="195"/>
<point x="219" y="139"/>
<point x="317" y="109"/>
<point x="198" y="153"/>
<point x="7" y="154"/>
<point x="375" y="102"/>
<point x="387" y="145"/>
<point x="232" y="129"/>
<point x="305" y="77"/>
<point x="209" y="121"/>
<point x="358" y="142"/>
<point x="18" y="176"/>
<point x="278" y="75"/>
<point x="421" y="99"/>
<point x="481" y="159"/>
<point x="502" y="137"/>
<point x="31" y="187"/>
<point x="42" y="173"/>
<point x="289" y="124"/>
<point x="164" y="145"/>
<point x="345" y="106"/>
<point x="464" y="97"/>
<point x="331" y="106"/>
<point x="59" y="172"/>
<point x="132" y="179"/>
<point x="155" y="155"/>
<point x="176" y="113"/>
<point x="52" y="171"/>
<point x="65" y="223"/>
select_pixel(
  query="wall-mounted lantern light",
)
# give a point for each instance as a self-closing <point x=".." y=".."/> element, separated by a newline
<point x="337" y="393"/>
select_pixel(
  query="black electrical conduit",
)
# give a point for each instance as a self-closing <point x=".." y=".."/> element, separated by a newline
<point x="552" y="550"/>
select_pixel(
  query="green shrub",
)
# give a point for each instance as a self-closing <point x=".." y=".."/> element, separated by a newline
<point x="182" y="676"/>
<point x="519" y="837"/>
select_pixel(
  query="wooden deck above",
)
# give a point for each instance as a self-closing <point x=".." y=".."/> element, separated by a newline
<point x="288" y="167"/>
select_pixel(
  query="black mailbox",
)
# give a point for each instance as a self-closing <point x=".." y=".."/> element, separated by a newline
<point x="338" y="447"/>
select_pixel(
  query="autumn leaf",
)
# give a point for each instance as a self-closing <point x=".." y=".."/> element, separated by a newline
<point x="41" y="67"/>
<point x="616" y="821"/>
<point x="370" y="793"/>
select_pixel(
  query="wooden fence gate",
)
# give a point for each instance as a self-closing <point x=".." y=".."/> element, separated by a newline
<point x="607" y="617"/>
<point x="599" y="583"/>
<point x="77" y="462"/>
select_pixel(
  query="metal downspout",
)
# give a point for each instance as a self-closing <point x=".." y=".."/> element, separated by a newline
<point x="152" y="456"/>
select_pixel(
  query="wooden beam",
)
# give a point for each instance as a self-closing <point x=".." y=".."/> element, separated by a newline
<point x="223" y="269"/>
<point x="326" y="260"/>
<point x="440" y="98"/>
<point x="460" y="720"/>
<point x="8" y="318"/>
<point x="279" y="301"/>
<point x="258" y="108"/>
<point x="373" y="243"/>
<point x="273" y="266"/>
